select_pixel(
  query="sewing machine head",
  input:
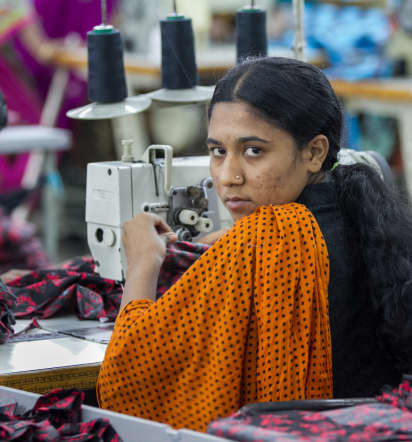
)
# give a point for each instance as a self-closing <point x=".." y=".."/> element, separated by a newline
<point x="178" y="189"/>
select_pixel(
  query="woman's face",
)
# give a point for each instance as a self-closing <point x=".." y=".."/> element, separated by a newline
<point x="252" y="162"/>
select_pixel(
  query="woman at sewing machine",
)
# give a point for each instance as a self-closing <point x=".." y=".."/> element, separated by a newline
<point x="307" y="296"/>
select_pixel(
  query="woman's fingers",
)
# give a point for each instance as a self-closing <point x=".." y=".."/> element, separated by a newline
<point x="145" y="238"/>
<point x="169" y="237"/>
<point x="161" y="226"/>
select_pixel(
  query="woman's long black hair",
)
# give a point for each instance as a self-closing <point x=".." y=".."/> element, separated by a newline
<point x="298" y="98"/>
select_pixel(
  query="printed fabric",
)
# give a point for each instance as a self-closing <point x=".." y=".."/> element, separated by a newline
<point x="248" y="322"/>
<point x="7" y="319"/>
<point x="55" y="417"/>
<point x="389" y="418"/>
<point x="77" y="288"/>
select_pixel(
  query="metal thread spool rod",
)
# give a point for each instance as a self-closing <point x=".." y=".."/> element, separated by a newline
<point x="104" y="12"/>
<point x="174" y="7"/>
<point x="252" y="4"/>
<point x="298" y="19"/>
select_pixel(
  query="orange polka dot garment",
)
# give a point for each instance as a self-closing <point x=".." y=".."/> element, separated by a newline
<point x="248" y="322"/>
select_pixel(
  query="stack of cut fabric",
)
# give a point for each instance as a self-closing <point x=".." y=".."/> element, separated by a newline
<point x="386" y="418"/>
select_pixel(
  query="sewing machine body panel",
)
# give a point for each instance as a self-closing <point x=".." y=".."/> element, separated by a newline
<point x="109" y="203"/>
<point x="108" y="194"/>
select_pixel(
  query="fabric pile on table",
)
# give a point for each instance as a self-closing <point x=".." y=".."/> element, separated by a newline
<point x="7" y="320"/>
<point x="55" y="417"/>
<point x="388" y="418"/>
<point x="77" y="288"/>
<point x="74" y="288"/>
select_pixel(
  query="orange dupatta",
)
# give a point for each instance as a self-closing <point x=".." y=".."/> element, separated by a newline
<point x="248" y="322"/>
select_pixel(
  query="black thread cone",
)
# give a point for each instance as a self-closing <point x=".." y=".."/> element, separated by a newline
<point x="179" y="70"/>
<point x="106" y="77"/>
<point x="251" y="37"/>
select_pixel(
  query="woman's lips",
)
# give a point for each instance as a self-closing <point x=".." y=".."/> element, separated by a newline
<point x="236" y="204"/>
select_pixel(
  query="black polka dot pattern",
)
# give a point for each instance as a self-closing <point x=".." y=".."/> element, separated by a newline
<point x="248" y="322"/>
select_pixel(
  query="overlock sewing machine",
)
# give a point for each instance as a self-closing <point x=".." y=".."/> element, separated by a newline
<point x="179" y="190"/>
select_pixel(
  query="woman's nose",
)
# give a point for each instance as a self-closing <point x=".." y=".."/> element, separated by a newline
<point x="231" y="173"/>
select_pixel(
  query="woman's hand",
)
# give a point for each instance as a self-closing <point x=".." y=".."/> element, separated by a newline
<point x="145" y="238"/>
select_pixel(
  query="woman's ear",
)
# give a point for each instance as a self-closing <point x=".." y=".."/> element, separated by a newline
<point x="315" y="153"/>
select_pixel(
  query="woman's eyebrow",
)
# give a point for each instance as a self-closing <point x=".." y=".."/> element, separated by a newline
<point x="252" y="138"/>
<point x="239" y="140"/>
<point x="212" y="141"/>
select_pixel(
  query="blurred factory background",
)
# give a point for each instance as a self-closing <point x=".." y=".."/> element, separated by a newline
<point x="43" y="69"/>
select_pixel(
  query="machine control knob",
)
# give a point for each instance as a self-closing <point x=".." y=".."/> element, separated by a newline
<point x="204" y="225"/>
<point x="203" y="203"/>
<point x="194" y="191"/>
<point x="207" y="182"/>
<point x="105" y="236"/>
<point x="188" y="217"/>
<point x="183" y="235"/>
<point x="109" y="238"/>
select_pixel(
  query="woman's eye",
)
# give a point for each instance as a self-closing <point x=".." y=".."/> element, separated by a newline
<point x="253" y="151"/>
<point x="217" y="151"/>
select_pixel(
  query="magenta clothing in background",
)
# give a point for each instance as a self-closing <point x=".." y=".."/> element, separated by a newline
<point x="23" y="100"/>
<point x="58" y="18"/>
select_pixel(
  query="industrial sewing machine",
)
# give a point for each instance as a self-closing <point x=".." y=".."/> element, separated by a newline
<point x="180" y="190"/>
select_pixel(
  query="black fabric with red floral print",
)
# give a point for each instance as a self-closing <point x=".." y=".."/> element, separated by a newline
<point x="388" y="418"/>
<point x="77" y="288"/>
<point x="179" y="257"/>
<point x="55" y="417"/>
<point x="73" y="288"/>
<point x="7" y="319"/>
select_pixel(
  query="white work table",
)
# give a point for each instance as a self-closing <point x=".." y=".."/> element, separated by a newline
<point x="40" y="365"/>
<point x="44" y="359"/>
